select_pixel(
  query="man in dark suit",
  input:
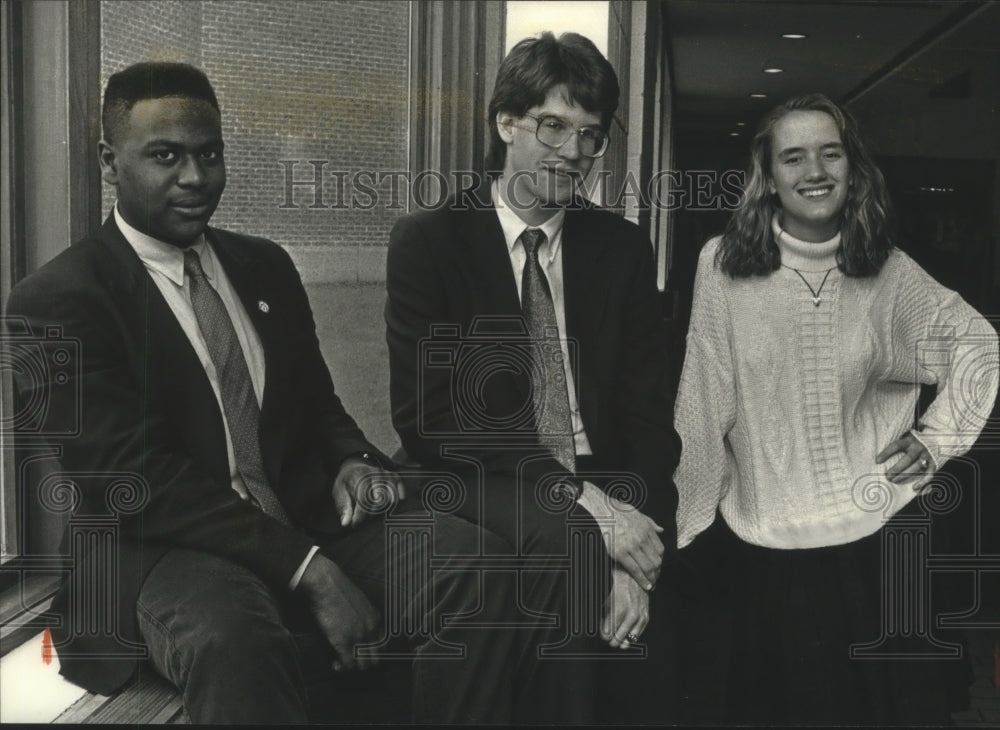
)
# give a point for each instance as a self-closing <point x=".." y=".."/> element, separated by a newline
<point x="527" y="356"/>
<point x="253" y="502"/>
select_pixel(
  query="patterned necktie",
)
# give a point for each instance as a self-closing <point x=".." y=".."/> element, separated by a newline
<point x="549" y="393"/>
<point x="238" y="399"/>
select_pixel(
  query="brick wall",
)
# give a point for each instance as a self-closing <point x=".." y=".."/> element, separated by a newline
<point x="139" y="30"/>
<point x="303" y="80"/>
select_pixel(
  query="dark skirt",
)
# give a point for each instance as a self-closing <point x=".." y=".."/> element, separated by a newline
<point x="787" y="623"/>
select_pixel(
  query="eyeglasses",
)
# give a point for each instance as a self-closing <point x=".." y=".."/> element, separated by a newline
<point x="554" y="132"/>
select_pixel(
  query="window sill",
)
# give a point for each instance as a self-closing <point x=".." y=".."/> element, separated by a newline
<point x="22" y="610"/>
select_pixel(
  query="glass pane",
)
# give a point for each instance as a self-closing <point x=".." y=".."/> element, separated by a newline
<point x="586" y="18"/>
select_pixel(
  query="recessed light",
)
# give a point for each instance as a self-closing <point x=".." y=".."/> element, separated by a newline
<point x="734" y="134"/>
<point x="758" y="96"/>
<point x="794" y="36"/>
<point x="741" y="124"/>
<point x="773" y="70"/>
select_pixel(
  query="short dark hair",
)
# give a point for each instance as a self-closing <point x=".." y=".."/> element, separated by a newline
<point x="150" y="80"/>
<point x="867" y="228"/>
<point x="533" y="67"/>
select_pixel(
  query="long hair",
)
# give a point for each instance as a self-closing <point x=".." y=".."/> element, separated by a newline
<point x="867" y="226"/>
<point x="533" y="67"/>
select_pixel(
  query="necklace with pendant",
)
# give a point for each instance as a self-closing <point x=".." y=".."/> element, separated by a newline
<point x="815" y="292"/>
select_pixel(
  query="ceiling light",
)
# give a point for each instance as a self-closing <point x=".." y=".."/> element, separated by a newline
<point x="794" y="36"/>
<point x="734" y="134"/>
<point x="773" y="70"/>
<point x="758" y="96"/>
<point x="741" y="124"/>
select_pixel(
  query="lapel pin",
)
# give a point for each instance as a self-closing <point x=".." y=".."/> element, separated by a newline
<point x="263" y="306"/>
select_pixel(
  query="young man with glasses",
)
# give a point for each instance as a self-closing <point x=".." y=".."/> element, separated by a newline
<point x="528" y="358"/>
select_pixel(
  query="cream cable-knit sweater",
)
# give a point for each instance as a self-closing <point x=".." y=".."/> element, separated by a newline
<point x="783" y="405"/>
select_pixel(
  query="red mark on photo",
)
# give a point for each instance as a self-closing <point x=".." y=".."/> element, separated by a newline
<point x="46" y="647"/>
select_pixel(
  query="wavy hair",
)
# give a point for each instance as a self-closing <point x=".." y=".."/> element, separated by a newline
<point x="867" y="227"/>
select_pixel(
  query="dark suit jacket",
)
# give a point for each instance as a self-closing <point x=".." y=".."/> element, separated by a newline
<point x="451" y="266"/>
<point x="147" y="408"/>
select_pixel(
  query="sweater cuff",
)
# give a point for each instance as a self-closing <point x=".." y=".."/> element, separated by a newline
<point x="932" y="449"/>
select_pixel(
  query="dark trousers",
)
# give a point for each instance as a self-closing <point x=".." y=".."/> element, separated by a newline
<point x="563" y="576"/>
<point x="227" y="641"/>
<point x="639" y="686"/>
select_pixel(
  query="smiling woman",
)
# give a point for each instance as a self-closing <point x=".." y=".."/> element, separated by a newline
<point x="809" y="174"/>
<point x="810" y="338"/>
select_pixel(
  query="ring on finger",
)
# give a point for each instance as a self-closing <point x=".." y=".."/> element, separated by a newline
<point x="633" y="638"/>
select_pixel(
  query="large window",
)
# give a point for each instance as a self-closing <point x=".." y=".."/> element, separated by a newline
<point x="50" y="197"/>
<point x="586" y="18"/>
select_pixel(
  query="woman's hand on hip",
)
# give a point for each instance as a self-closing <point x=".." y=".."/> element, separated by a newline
<point x="914" y="460"/>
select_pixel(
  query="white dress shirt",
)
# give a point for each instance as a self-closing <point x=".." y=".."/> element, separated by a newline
<point x="165" y="264"/>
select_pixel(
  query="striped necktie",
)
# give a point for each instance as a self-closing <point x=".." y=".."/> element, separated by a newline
<point x="238" y="399"/>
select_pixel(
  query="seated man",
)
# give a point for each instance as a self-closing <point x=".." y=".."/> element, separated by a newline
<point x="200" y="379"/>
<point x="557" y="371"/>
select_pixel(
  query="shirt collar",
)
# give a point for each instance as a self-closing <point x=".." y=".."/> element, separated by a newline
<point x="513" y="226"/>
<point x="163" y="257"/>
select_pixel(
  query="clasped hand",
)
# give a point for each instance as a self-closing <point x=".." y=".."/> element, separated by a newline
<point x="361" y="489"/>
<point x="626" y="614"/>
<point x="632" y="540"/>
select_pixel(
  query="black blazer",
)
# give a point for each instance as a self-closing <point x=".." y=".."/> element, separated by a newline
<point x="146" y="408"/>
<point x="451" y="266"/>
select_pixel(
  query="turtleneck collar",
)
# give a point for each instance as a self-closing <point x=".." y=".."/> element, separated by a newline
<point x="803" y="255"/>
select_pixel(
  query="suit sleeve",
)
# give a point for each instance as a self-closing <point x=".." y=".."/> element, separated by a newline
<point x="98" y="402"/>
<point x="425" y="413"/>
<point x="644" y="394"/>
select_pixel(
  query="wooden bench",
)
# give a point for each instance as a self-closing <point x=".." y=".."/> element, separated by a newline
<point x="150" y="700"/>
<point x="379" y="696"/>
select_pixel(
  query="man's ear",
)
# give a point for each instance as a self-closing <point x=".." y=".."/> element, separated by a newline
<point x="505" y="126"/>
<point x="109" y="164"/>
